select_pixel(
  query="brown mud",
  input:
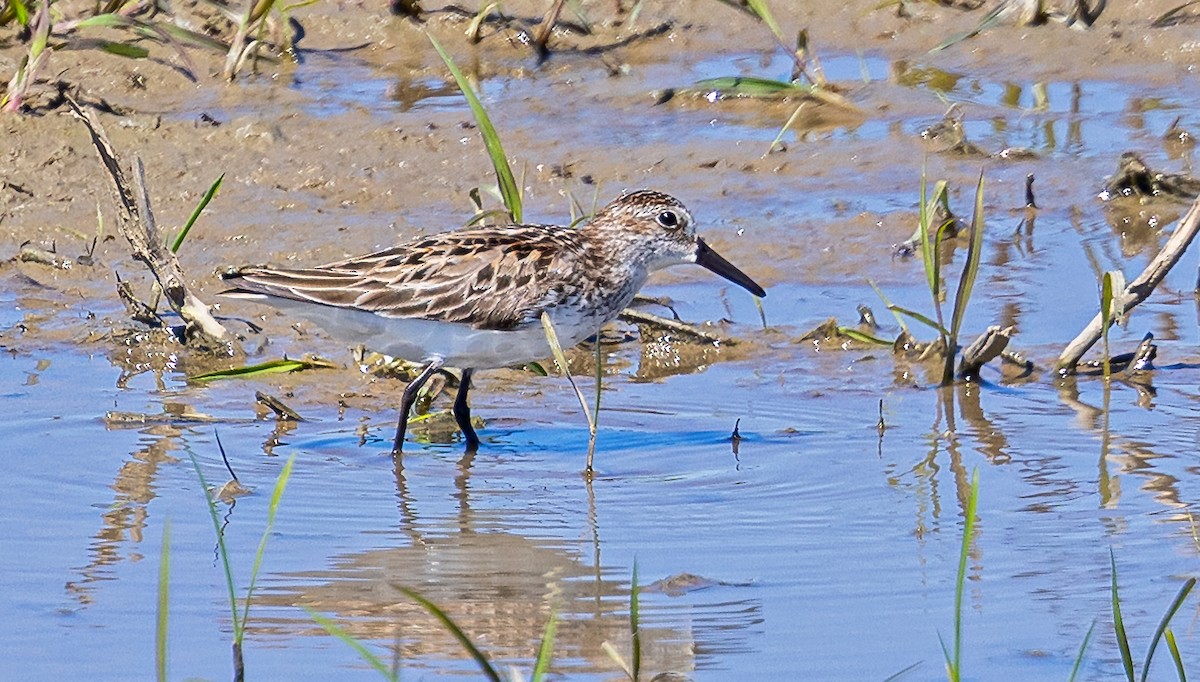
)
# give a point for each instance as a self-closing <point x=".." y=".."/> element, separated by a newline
<point x="312" y="175"/>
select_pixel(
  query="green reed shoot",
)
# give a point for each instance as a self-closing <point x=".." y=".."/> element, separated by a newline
<point x="1082" y="648"/>
<point x="561" y="359"/>
<point x="894" y="677"/>
<point x="1163" y="630"/>
<point x="632" y="671"/>
<point x="760" y="9"/>
<point x="239" y="621"/>
<point x="282" y="366"/>
<point x="966" y="282"/>
<point x="1170" y="637"/>
<point x="888" y="304"/>
<point x="1119" y="623"/>
<point x="1112" y="285"/>
<point x="635" y="628"/>
<point x="931" y="236"/>
<point x="337" y="631"/>
<point x="164" y="594"/>
<point x="954" y="665"/>
<point x="782" y="131"/>
<point x="484" y="664"/>
<point x="546" y="650"/>
<point x="510" y="192"/>
<point x="187" y="227"/>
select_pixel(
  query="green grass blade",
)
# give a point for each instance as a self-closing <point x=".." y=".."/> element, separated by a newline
<point x="635" y="623"/>
<point x="883" y="297"/>
<point x="1106" y="297"/>
<point x="41" y="32"/>
<point x="951" y="673"/>
<point x="971" y="268"/>
<point x="1082" y="648"/>
<point x="546" y="650"/>
<point x="897" y="675"/>
<point x="504" y="175"/>
<point x="272" y="508"/>
<point x="968" y="530"/>
<point x="762" y="312"/>
<point x="264" y="368"/>
<point x="164" y="595"/>
<point x="1118" y="623"/>
<point x="927" y="247"/>
<point x="20" y="11"/>
<point x="192" y="38"/>
<point x="484" y="664"/>
<point x="212" y="512"/>
<point x="1112" y="284"/>
<point x="749" y="86"/>
<point x="616" y="657"/>
<point x="561" y="359"/>
<point x="989" y="20"/>
<point x="863" y="337"/>
<point x="124" y="49"/>
<point x="1166" y="622"/>
<point x="759" y="7"/>
<point x="212" y="191"/>
<point x="1170" y="637"/>
<point x="782" y="131"/>
<point x="336" y="631"/>
<point x="919" y="318"/>
<point x="160" y="31"/>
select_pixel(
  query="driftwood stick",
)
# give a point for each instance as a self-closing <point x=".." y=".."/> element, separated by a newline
<point x="990" y="344"/>
<point x="136" y="222"/>
<point x="1138" y="290"/>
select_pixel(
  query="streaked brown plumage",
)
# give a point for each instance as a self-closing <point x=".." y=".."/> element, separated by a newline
<point x="474" y="297"/>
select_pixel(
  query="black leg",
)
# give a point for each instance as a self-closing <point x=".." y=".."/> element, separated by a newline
<point x="406" y="402"/>
<point x="462" y="411"/>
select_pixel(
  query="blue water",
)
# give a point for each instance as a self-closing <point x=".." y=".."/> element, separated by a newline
<point x="829" y="549"/>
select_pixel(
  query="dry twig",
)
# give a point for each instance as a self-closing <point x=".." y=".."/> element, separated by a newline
<point x="136" y="222"/>
<point x="1136" y="291"/>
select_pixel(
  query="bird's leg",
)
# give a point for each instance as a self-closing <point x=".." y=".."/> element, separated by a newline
<point x="406" y="402"/>
<point x="462" y="411"/>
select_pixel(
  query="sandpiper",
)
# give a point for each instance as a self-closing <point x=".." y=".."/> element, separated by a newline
<point x="473" y="298"/>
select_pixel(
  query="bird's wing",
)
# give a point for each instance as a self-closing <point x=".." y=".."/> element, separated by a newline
<point x="490" y="278"/>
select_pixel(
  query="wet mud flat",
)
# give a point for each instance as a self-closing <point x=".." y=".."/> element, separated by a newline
<point x="812" y="524"/>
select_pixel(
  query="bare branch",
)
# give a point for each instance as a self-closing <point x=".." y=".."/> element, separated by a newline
<point x="1138" y="290"/>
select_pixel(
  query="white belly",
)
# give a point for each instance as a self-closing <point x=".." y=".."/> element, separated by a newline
<point x="459" y="345"/>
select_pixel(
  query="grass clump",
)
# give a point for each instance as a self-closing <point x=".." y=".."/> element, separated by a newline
<point x="935" y="225"/>
<point x="1162" y="632"/>
<point x="239" y="619"/>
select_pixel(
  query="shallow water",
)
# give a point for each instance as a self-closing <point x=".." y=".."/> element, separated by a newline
<point x="827" y="550"/>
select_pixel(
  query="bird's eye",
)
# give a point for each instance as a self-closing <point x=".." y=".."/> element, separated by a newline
<point x="668" y="219"/>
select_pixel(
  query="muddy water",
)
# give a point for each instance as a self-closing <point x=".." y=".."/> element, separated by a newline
<point x="818" y="548"/>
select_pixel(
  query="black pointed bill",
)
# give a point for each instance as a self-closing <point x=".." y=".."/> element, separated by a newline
<point x="712" y="260"/>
